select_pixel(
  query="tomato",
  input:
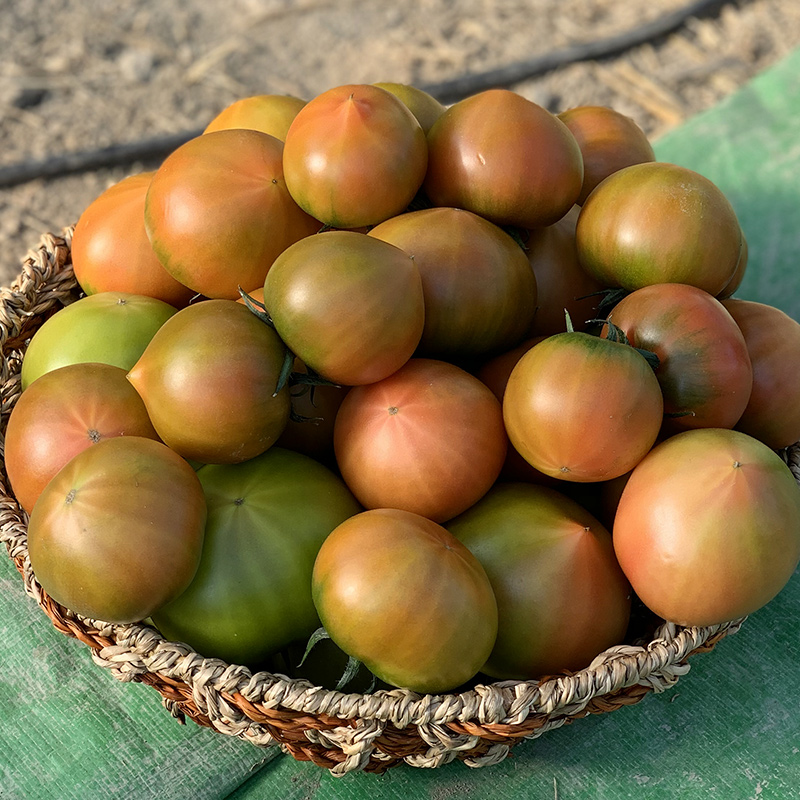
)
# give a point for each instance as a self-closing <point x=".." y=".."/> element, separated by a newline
<point x="267" y="519"/>
<point x="424" y="107"/>
<point x="495" y="373"/>
<point x="561" y="596"/>
<point x="406" y="598"/>
<point x="110" y="328"/>
<point x="704" y="370"/>
<point x="609" y="141"/>
<point x="659" y="223"/>
<point x="479" y="290"/>
<point x="61" y="414"/>
<point x="772" y="337"/>
<point x="209" y="380"/>
<point x="267" y="113"/>
<point x="355" y="155"/>
<point x="562" y="284"/>
<point x="111" y="251"/>
<point x="218" y="212"/>
<point x="118" y="531"/>
<point x="505" y="158"/>
<point x="427" y="439"/>
<point x="708" y="527"/>
<point x="581" y="408"/>
<point x="349" y="306"/>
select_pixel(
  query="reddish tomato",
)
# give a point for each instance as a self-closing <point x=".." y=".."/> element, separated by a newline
<point x="704" y="367"/>
<point x="563" y="285"/>
<point x="267" y="519"/>
<point x="111" y="251"/>
<point x="581" y="408"/>
<point x="355" y="155"/>
<point x="218" y="212"/>
<point x="425" y="108"/>
<point x="267" y="113"/>
<point x="609" y="141"/>
<point x="772" y="414"/>
<point x="349" y="306"/>
<point x="495" y="373"/>
<point x="561" y="596"/>
<point x="61" y="414"/>
<point x="118" y="531"/>
<point x="708" y="527"/>
<point x="109" y="328"/>
<point x="402" y="595"/>
<point x="427" y="439"/>
<point x="505" y="158"/>
<point x="479" y="290"/>
<point x="209" y="382"/>
<point x="659" y="223"/>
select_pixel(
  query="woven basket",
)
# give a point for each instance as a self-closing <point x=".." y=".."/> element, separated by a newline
<point x="337" y="731"/>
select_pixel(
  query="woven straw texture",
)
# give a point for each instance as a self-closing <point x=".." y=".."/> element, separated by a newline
<point x="337" y="731"/>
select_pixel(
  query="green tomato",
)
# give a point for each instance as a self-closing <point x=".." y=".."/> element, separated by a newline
<point x="267" y="519"/>
<point x="109" y="328"/>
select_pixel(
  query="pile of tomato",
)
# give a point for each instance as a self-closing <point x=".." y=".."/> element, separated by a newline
<point x="459" y="385"/>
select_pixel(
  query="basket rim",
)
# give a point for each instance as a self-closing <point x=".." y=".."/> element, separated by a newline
<point x="237" y="701"/>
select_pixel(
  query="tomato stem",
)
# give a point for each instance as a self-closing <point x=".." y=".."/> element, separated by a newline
<point x="286" y="370"/>
<point x="350" y="671"/>
<point x="615" y="334"/>
<point x="651" y="358"/>
<point x="609" y="298"/>
<point x="295" y="417"/>
<point x="257" y="307"/>
<point x="519" y="235"/>
<point x="315" y="638"/>
<point x="310" y="378"/>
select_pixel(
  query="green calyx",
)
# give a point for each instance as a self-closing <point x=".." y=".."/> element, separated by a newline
<point x="352" y="668"/>
<point x="257" y="307"/>
<point x="615" y="334"/>
<point x="286" y="375"/>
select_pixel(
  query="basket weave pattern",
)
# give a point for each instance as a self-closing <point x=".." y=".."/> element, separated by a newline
<point x="340" y="732"/>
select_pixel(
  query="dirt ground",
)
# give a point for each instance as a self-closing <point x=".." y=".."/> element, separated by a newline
<point x="81" y="74"/>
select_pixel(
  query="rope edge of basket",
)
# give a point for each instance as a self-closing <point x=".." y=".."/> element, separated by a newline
<point x="132" y="652"/>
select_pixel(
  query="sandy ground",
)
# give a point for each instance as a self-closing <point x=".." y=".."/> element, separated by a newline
<point x="81" y="74"/>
